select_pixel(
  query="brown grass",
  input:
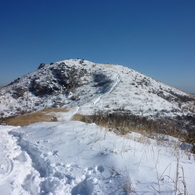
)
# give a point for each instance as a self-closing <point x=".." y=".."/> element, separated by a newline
<point x="28" y="119"/>
<point x="48" y="110"/>
<point x="117" y="124"/>
<point x="44" y="115"/>
<point x="126" y="123"/>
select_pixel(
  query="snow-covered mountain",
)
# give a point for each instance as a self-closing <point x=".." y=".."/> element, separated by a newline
<point x="91" y="88"/>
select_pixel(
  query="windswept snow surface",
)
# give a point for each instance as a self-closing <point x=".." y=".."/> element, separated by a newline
<point x="75" y="158"/>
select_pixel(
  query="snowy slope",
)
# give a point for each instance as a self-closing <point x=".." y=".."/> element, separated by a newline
<point x="75" y="158"/>
<point x="92" y="87"/>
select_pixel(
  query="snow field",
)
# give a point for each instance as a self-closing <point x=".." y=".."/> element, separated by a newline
<point x="78" y="158"/>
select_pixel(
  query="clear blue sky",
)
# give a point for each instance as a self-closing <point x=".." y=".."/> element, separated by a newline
<point x="154" y="37"/>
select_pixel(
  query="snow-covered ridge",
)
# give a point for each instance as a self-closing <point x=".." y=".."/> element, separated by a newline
<point x="91" y="87"/>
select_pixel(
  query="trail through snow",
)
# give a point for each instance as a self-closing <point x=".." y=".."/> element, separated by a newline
<point x="111" y="89"/>
<point x="15" y="165"/>
<point x="73" y="111"/>
<point x="88" y="108"/>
